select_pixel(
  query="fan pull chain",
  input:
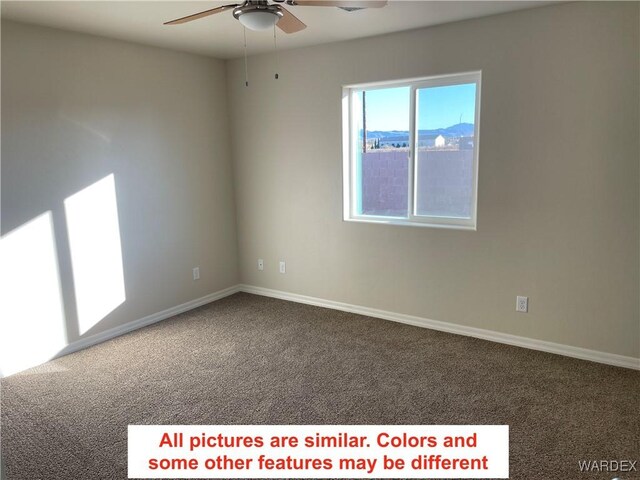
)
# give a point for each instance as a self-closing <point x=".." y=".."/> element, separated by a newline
<point x="246" y="67"/>
<point x="275" y="47"/>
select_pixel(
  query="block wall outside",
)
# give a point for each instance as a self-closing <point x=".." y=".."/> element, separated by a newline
<point x="444" y="175"/>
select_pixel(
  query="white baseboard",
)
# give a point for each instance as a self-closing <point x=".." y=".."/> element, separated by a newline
<point x="91" y="340"/>
<point x="541" y="345"/>
<point x="533" y="344"/>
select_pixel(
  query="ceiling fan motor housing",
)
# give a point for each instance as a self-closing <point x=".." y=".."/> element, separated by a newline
<point x="258" y="15"/>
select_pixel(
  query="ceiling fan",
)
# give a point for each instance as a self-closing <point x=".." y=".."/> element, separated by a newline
<point x="261" y="15"/>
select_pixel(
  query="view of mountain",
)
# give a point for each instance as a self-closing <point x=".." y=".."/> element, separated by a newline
<point x="458" y="130"/>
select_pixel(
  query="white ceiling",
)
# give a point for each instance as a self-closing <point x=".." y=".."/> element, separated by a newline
<point x="221" y="35"/>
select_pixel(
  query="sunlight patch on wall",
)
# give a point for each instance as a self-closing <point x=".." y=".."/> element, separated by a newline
<point x="31" y="307"/>
<point x="96" y="254"/>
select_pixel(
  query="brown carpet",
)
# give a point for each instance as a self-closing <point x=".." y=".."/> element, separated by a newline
<point x="253" y="360"/>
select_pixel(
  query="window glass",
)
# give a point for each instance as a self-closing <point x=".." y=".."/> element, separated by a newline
<point x="383" y="152"/>
<point x="444" y="166"/>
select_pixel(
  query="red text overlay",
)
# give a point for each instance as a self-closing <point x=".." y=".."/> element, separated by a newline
<point x="318" y="451"/>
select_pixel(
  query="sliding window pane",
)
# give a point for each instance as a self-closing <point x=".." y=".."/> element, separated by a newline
<point x="382" y="152"/>
<point x="445" y="150"/>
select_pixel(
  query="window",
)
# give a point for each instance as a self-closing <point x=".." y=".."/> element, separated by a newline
<point x="411" y="151"/>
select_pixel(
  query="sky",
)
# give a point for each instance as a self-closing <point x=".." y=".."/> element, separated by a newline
<point x="438" y="107"/>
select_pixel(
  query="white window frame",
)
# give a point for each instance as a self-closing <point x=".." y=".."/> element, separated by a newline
<point x="350" y="144"/>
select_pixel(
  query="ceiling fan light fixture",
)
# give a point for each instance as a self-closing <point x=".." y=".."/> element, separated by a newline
<point x="259" y="20"/>
<point x="258" y="17"/>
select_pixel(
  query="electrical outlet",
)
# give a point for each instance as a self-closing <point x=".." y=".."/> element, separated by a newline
<point x="522" y="304"/>
<point x="196" y="273"/>
<point x="283" y="267"/>
<point x="260" y="264"/>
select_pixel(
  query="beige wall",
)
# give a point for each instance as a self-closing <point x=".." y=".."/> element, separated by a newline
<point x="77" y="108"/>
<point x="558" y="205"/>
<point x="558" y="202"/>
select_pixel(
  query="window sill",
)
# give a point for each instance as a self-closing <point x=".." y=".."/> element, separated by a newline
<point x="408" y="223"/>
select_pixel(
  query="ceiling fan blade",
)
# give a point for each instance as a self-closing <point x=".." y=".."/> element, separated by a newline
<point x="289" y="23"/>
<point x="196" y="16"/>
<point x="343" y="3"/>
